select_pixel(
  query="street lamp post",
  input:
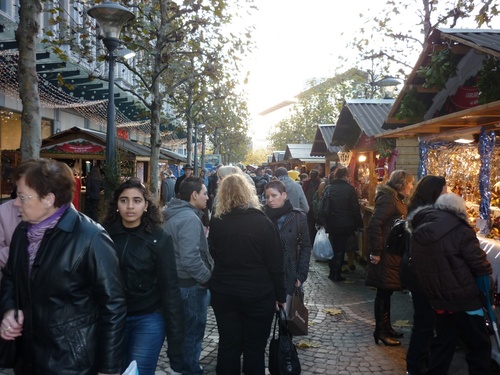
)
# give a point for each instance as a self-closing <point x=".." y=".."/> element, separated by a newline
<point x="111" y="17"/>
<point x="199" y="126"/>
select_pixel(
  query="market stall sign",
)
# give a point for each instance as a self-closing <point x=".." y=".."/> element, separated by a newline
<point x="76" y="147"/>
<point x="365" y="143"/>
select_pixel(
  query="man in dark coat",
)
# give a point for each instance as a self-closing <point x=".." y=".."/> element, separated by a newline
<point x="342" y="220"/>
<point x="188" y="172"/>
<point x="448" y="261"/>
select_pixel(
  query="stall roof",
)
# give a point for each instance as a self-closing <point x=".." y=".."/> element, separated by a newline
<point x="94" y="146"/>
<point x="323" y="141"/>
<point x="278" y="156"/>
<point x="301" y="152"/>
<point x="361" y="115"/>
<point x="469" y="47"/>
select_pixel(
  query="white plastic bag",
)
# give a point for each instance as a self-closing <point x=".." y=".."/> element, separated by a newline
<point x="322" y="249"/>
<point x="132" y="369"/>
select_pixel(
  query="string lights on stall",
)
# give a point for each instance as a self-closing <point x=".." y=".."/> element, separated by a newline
<point x="52" y="96"/>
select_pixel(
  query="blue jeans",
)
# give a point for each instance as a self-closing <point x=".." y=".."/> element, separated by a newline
<point x="144" y="337"/>
<point x="196" y="300"/>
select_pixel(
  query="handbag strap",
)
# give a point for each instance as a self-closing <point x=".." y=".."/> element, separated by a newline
<point x="276" y="318"/>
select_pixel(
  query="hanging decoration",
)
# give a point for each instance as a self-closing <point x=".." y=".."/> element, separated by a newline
<point x="485" y="147"/>
<point x="52" y="96"/>
<point x="344" y="156"/>
<point x="423" y="152"/>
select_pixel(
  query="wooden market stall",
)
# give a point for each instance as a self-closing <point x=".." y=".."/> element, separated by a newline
<point x="368" y="160"/>
<point x="298" y="156"/>
<point x="458" y="124"/>
<point x="84" y="148"/>
<point x="322" y="146"/>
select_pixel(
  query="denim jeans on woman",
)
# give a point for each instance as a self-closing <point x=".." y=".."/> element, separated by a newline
<point x="144" y="337"/>
<point x="196" y="300"/>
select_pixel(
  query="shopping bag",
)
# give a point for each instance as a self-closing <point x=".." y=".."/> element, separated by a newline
<point x="283" y="357"/>
<point x="132" y="369"/>
<point x="322" y="249"/>
<point x="298" y="319"/>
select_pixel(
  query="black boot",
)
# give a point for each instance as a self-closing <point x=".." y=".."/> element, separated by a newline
<point x="387" y="321"/>
<point x="331" y="276"/>
<point x="380" y="333"/>
<point x="337" y="276"/>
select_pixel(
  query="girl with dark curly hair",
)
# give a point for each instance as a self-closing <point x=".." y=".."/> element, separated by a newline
<point x="147" y="263"/>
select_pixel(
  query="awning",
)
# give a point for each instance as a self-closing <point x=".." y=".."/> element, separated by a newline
<point x="484" y="116"/>
<point x="90" y="144"/>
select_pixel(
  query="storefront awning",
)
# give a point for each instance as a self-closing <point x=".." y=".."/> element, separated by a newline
<point x="90" y="144"/>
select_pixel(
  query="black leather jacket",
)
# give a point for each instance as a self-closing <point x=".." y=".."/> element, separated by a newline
<point x="147" y="263"/>
<point x="73" y="300"/>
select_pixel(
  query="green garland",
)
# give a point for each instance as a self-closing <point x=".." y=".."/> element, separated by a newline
<point x="385" y="147"/>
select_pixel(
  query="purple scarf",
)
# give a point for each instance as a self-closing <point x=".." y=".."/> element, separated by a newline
<point x="37" y="231"/>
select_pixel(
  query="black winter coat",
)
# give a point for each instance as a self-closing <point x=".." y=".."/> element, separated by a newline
<point x="345" y="213"/>
<point x="248" y="255"/>
<point x="73" y="300"/>
<point x="446" y="258"/>
<point x="147" y="263"/>
<point x="296" y="267"/>
<point x="389" y="206"/>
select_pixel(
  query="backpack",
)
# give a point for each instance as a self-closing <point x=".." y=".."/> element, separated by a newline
<point x="396" y="240"/>
<point x="324" y="205"/>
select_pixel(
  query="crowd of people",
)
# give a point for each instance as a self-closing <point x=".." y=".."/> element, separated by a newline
<point x="79" y="297"/>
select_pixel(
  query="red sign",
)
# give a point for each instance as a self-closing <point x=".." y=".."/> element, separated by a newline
<point x="365" y="143"/>
<point x="77" y="147"/>
<point x="466" y="97"/>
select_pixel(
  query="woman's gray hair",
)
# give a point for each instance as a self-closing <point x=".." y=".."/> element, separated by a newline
<point x="400" y="179"/>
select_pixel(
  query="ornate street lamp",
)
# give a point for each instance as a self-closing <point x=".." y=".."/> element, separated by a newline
<point x="111" y="17"/>
<point x="199" y="126"/>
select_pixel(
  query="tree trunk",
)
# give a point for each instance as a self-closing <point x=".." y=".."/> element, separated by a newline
<point x="155" y="128"/>
<point x="31" y="125"/>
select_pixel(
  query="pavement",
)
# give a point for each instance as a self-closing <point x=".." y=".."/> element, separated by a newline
<point x="340" y="340"/>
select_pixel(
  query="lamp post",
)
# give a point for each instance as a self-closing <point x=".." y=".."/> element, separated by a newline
<point x="111" y="17"/>
<point x="199" y="126"/>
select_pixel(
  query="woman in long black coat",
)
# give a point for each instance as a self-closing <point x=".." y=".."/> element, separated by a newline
<point x="383" y="272"/>
<point x="292" y="227"/>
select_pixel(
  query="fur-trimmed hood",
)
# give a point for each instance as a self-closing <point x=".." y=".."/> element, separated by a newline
<point x="428" y="224"/>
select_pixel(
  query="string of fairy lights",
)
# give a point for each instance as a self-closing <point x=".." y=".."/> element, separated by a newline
<point x="52" y="96"/>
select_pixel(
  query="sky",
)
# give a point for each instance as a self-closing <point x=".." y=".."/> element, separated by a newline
<point x="297" y="41"/>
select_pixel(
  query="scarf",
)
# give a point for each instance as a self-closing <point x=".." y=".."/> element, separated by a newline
<point x="37" y="231"/>
<point x="275" y="213"/>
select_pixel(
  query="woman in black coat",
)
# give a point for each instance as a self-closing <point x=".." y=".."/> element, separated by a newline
<point x="383" y="271"/>
<point x="248" y="278"/>
<point x="342" y="220"/>
<point x="428" y="189"/>
<point x="292" y="226"/>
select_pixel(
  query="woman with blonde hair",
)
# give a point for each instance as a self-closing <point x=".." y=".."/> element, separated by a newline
<point x="247" y="283"/>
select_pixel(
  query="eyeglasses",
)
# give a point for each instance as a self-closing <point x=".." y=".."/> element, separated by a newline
<point x="24" y="198"/>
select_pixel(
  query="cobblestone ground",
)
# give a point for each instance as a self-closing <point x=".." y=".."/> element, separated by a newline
<point x="339" y="344"/>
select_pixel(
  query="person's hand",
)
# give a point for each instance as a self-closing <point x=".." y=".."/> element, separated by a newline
<point x="11" y="326"/>
<point x="278" y="304"/>
<point x="375" y="259"/>
<point x="298" y="283"/>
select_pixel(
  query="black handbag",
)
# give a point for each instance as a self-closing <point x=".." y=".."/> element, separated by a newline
<point x="283" y="357"/>
<point x="7" y="353"/>
<point x="299" y="315"/>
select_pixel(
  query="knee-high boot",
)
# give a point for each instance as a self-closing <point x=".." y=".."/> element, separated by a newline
<point x="380" y="333"/>
<point x="387" y="321"/>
